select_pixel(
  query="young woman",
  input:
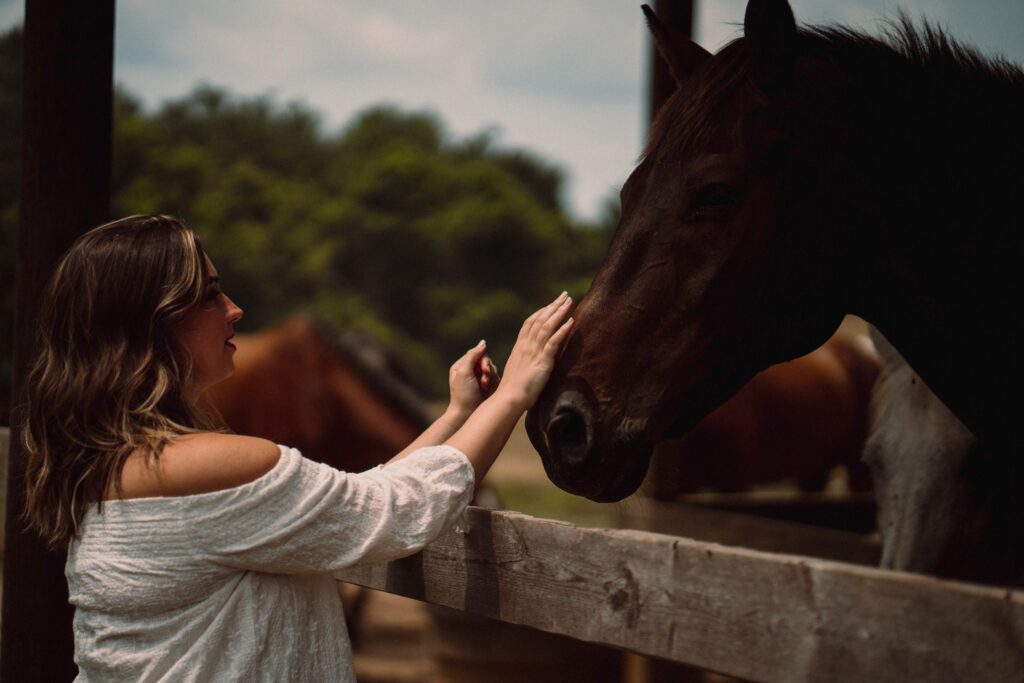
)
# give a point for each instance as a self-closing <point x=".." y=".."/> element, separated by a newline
<point x="195" y="554"/>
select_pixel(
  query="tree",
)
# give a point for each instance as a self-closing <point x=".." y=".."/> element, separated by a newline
<point x="430" y="243"/>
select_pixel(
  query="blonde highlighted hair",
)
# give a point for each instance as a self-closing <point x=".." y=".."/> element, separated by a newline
<point x="109" y="374"/>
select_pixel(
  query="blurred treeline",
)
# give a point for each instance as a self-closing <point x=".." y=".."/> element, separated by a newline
<point x="391" y="225"/>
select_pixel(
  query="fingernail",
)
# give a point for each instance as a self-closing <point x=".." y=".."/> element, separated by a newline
<point x="482" y="342"/>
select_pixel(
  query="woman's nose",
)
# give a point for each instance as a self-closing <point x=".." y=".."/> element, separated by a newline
<point x="234" y="312"/>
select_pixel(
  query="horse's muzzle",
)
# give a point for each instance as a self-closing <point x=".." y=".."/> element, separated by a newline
<point x="579" y="455"/>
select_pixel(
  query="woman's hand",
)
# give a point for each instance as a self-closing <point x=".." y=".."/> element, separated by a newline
<point x="533" y="356"/>
<point x="471" y="379"/>
<point x="529" y="366"/>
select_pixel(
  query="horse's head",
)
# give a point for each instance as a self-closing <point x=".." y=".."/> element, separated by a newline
<point x="718" y="268"/>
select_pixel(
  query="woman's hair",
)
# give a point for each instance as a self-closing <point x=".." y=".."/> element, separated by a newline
<point x="109" y="373"/>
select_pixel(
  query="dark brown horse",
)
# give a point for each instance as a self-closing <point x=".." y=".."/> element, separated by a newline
<point x="795" y="176"/>
<point x="339" y="398"/>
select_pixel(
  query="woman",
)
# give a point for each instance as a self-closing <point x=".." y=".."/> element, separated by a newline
<point x="195" y="554"/>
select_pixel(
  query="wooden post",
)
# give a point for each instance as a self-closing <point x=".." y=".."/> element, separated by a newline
<point x="679" y="15"/>
<point x="65" y="170"/>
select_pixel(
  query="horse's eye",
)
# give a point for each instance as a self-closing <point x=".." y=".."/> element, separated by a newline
<point x="711" y="200"/>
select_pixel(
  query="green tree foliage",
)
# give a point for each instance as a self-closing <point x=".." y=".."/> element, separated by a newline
<point x="429" y="242"/>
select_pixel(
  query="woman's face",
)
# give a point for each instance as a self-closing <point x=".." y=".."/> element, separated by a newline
<point x="206" y="334"/>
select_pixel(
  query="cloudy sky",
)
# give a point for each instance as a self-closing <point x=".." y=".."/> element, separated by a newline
<point x="565" y="79"/>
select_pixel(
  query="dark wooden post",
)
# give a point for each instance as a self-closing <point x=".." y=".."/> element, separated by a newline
<point x="65" y="171"/>
<point x="679" y="15"/>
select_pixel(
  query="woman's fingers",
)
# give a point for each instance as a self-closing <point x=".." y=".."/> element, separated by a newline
<point x="464" y="380"/>
<point x="557" y="316"/>
<point x="466" y="365"/>
<point x="544" y="321"/>
<point x="556" y="340"/>
<point x="487" y="376"/>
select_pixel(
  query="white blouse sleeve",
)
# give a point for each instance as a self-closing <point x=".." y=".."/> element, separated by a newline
<point x="304" y="516"/>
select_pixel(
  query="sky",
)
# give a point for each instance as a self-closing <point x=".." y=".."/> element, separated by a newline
<point x="564" y="79"/>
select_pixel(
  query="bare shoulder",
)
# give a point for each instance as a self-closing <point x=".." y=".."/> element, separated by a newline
<point x="200" y="463"/>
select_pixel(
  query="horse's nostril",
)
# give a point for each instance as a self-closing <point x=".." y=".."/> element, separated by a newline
<point x="567" y="428"/>
<point x="568" y="435"/>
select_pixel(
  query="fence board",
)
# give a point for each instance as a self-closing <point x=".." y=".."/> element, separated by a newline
<point x="760" y="616"/>
<point x="726" y="526"/>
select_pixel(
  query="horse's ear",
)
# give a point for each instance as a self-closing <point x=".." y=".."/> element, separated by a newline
<point x="770" y="30"/>
<point x="682" y="55"/>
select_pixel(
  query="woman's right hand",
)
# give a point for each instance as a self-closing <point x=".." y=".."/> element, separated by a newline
<point x="533" y="356"/>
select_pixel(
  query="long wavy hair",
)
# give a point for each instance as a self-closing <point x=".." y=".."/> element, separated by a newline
<point x="109" y="374"/>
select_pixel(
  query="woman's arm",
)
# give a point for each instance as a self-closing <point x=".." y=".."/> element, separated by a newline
<point x="529" y="366"/>
<point x="470" y="380"/>
<point x="481" y="429"/>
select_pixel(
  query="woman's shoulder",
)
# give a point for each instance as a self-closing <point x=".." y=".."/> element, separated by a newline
<point x="199" y="463"/>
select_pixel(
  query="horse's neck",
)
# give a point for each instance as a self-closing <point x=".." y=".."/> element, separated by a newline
<point x="942" y="162"/>
<point x="939" y="257"/>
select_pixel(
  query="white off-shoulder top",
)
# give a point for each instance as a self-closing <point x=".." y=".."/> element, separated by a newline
<point x="236" y="585"/>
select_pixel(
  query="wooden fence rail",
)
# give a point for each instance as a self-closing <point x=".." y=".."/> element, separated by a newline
<point x="756" y="615"/>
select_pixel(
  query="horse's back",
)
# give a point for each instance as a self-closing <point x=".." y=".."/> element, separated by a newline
<point x="293" y="386"/>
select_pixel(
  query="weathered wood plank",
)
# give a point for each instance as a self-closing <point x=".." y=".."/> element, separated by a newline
<point x="847" y="511"/>
<point x="732" y="527"/>
<point x="760" y="616"/>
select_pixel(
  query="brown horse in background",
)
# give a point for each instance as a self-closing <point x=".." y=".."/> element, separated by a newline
<point x="796" y="420"/>
<point x="341" y="399"/>
<point x="794" y="177"/>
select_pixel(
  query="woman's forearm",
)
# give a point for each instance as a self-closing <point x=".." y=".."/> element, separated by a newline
<point x="486" y="431"/>
<point x="482" y="432"/>
<point x="437" y="433"/>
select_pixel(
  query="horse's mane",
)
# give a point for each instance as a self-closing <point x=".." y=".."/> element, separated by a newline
<point x="926" y="48"/>
<point x="910" y="56"/>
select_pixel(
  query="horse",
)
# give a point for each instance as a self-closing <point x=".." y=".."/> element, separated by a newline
<point x="944" y="504"/>
<point x="795" y="420"/>
<point x="795" y="176"/>
<point x="340" y="398"/>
